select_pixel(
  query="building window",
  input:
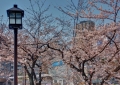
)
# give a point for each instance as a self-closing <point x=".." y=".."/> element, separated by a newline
<point x="55" y="81"/>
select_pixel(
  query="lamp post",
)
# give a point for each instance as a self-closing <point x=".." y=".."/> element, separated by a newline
<point x="15" y="15"/>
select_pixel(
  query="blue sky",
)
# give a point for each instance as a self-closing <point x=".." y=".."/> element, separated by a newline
<point x="24" y="4"/>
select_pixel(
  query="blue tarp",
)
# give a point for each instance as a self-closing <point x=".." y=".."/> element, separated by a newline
<point x="57" y="63"/>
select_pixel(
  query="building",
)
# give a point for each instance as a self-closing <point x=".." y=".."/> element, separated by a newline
<point x="81" y="30"/>
<point x="57" y="69"/>
<point x="89" y="25"/>
<point x="60" y="73"/>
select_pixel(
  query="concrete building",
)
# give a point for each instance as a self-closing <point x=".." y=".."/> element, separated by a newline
<point x="89" y="25"/>
<point x="57" y="71"/>
<point x="60" y="73"/>
<point x="80" y="31"/>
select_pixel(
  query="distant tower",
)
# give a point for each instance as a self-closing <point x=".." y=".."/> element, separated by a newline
<point x="86" y="25"/>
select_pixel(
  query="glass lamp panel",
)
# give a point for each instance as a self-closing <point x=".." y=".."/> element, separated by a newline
<point x="18" y="21"/>
<point x="12" y="20"/>
<point x="18" y="15"/>
<point x="12" y="15"/>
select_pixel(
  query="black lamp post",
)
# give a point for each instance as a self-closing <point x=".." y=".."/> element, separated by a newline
<point x="15" y="15"/>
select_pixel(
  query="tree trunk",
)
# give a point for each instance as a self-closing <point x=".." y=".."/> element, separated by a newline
<point x="90" y="82"/>
<point x="40" y="79"/>
<point x="31" y="80"/>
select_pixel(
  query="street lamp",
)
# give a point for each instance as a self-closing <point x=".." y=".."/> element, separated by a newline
<point x="15" y="15"/>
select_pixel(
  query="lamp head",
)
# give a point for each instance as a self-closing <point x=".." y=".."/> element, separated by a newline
<point x="15" y="15"/>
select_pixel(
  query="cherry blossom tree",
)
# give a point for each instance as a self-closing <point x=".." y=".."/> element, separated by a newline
<point x="4" y="47"/>
<point x="34" y="42"/>
<point x="101" y="60"/>
<point x="93" y="54"/>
